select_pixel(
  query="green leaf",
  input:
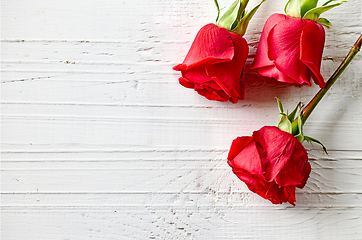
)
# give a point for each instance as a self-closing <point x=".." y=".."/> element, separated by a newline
<point x="324" y="22"/>
<point x="306" y="5"/>
<point x="314" y="13"/>
<point x="310" y="140"/>
<point x="240" y="29"/>
<point x="218" y="10"/>
<point x="291" y="116"/>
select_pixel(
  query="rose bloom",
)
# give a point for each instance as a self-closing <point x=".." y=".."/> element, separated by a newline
<point x="271" y="163"/>
<point x="214" y="64"/>
<point x="290" y="50"/>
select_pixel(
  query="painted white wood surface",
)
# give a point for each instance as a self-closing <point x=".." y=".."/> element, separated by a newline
<point x="99" y="141"/>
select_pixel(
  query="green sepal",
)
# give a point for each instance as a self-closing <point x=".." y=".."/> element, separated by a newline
<point x="291" y="116"/>
<point x="280" y="106"/>
<point x="306" y="5"/>
<point x="286" y="123"/>
<point x="240" y="29"/>
<point x="292" y="8"/>
<point x="218" y="10"/>
<point x="299" y="135"/>
<point x="324" y="22"/>
<point x="229" y="19"/>
<point x="283" y="123"/>
<point x="310" y="140"/>
<point x="314" y="13"/>
<point x="328" y="2"/>
<point x="297" y="8"/>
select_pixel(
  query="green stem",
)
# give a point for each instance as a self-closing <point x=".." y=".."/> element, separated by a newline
<point x="307" y="110"/>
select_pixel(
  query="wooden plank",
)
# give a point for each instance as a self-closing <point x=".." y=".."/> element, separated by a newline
<point x="158" y="130"/>
<point x="191" y="222"/>
<point x="195" y="175"/>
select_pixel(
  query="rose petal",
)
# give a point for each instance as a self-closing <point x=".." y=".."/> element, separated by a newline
<point x="212" y="84"/>
<point x="273" y="72"/>
<point x="180" y="67"/>
<point x="248" y="160"/>
<point x="197" y="75"/>
<point x="279" y="195"/>
<point x="261" y="57"/>
<point x="186" y="83"/>
<point x="291" y="165"/>
<point x="285" y="154"/>
<point x="210" y="93"/>
<point x="306" y="171"/>
<point x="261" y="191"/>
<point x="238" y="145"/>
<point x="212" y="45"/>
<point x="254" y="183"/>
<point x="275" y="194"/>
<point x="227" y="74"/>
<point x="312" y="44"/>
<point x="284" y="49"/>
<point x="289" y="193"/>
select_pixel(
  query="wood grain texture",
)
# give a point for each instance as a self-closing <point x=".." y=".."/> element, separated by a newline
<point x="99" y="141"/>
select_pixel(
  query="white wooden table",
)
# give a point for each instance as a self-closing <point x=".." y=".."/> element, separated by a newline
<point x="99" y="141"/>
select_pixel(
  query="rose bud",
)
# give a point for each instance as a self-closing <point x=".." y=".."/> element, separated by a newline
<point x="214" y="64"/>
<point x="273" y="162"/>
<point x="291" y="46"/>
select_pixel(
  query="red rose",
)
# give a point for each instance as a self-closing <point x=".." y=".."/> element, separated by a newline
<point x="271" y="163"/>
<point x="290" y="50"/>
<point x="214" y="64"/>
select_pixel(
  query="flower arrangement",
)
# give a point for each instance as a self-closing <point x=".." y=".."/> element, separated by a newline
<point x="272" y="162"/>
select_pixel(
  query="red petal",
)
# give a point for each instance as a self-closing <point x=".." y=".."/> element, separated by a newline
<point x="254" y="183"/>
<point x="306" y="171"/>
<point x="180" y="67"/>
<point x="260" y="190"/>
<point x="285" y="154"/>
<point x="185" y="82"/>
<point x="197" y="76"/>
<point x="279" y="195"/>
<point x="212" y="44"/>
<point x="284" y="49"/>
<point x="275" y="194"/>
<point x="273" y="72"/>
<point x="290" y="194"/>
<point x="312" y="44"/>
<point x="249" y="161"/>
<point x="261" y="56"/>
<point x="212" y="94"/>
<point x="238" y="145"/>
<point x="227" y="74"/>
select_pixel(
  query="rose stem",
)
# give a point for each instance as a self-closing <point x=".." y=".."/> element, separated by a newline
<point x="307" y="110"/>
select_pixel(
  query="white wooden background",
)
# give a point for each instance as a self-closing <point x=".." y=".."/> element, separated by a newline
<point x="99" y="141"/>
